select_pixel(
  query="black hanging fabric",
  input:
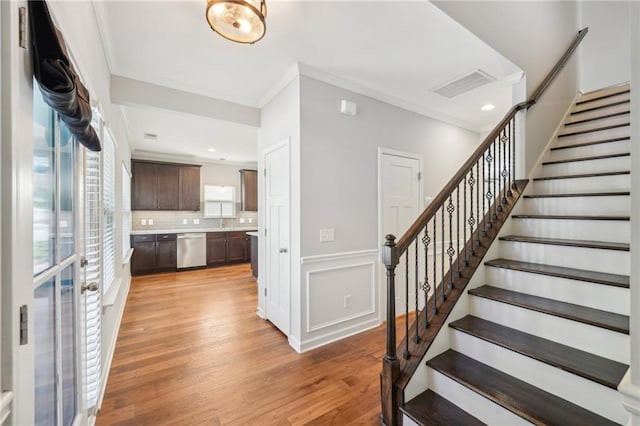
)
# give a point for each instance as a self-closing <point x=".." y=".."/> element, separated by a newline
<point x="61" y="88"/>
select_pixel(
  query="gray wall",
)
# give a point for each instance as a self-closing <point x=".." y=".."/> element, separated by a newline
<point x="604" y="53"/>
<point x="339" y="162"/>
<point x="533" y="35"/>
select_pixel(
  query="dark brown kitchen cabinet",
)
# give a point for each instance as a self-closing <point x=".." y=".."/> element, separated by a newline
<point x="216" y="248"/>
<point x="165" y="186"/>
<point x="249" y="190"/>
<point x="227" y="247"/>
<point x="144" y="192"/>
<point x="189" y="188"/>
<point x="153" y="253"/>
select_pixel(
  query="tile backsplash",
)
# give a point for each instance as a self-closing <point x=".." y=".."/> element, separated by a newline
<point x="176" y="220"/>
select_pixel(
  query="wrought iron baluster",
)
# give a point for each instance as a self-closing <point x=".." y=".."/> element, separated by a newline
<point x="493" y="173"/>
<point x="425" y="285"/>
<point x="478" y="218"/>
<point x="435" y="255"/>
<point x="498" y="171"/>
<point x="416" y="339"/>
<point x="458" y="230"/>
<point x="505" y="138"/>
<point x="513" y="154"/>
<point x="464" y="218"/>
<point x="489" y="195"/>
<point x="450" y="250"/>
<point x="510" y="158"/>
<point x="444" y="296"/>
<point x="484" y="178"/>
<point x="406" y="304"/>
<point x="471" y="221"/>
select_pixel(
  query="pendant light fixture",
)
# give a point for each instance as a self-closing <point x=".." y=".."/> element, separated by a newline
<point x="242" y="21"/>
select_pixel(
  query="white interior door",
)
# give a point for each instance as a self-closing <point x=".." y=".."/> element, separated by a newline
<point x="277" y="255"/>
<point x="400" y="191"/>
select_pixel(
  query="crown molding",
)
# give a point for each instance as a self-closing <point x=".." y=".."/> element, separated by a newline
<point x="138" y="154"/>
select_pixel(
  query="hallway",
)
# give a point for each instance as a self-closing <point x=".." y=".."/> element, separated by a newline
<point x="191" y="350"/>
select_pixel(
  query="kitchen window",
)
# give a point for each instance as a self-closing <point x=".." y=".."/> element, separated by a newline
<point x="219" y="201"/>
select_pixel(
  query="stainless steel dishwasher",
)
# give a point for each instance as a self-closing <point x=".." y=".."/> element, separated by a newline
<point x="192" y="250"/>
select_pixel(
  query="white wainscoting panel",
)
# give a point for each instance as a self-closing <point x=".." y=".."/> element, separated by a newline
<point x="5" y="406"/>
<point x="339" y="296"/>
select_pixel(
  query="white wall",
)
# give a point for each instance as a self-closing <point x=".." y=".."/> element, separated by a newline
<point x="533" y="35"/>
<point x="604" y="54"/>
<point x="280" y="121"/>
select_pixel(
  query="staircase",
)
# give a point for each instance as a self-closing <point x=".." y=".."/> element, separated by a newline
<point x="545" y="338"/>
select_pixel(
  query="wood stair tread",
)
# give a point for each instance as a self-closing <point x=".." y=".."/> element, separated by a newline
<point x="527" y="401"/>
<point x="610" y="94"/>
<point x="597" y="142"/>
<point x="596" y="157"/>
<point x="431" y="409"/>
<point x="568" y="217"/>
<point x="592" y="367"/>
<point x="604" y="245"/>
<point x="584" y="175"/>
<point x="595" y="317"/>
<point x="562" y="272"/>
<point x="596" y="129"/>
<point x="600" y="117"/>
<point x="580" y="194"/>
<point x="594" y="108"/>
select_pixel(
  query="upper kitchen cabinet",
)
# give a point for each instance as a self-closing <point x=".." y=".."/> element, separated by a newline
<point x="249" y="189"/>
<point x="164" y="186"/>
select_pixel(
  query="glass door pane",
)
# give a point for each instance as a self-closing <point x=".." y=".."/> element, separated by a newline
<point x="44" y="340"/>
<point x="68" y="345"/>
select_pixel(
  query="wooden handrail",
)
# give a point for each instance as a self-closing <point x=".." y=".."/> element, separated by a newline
<point x="410" y="235"/>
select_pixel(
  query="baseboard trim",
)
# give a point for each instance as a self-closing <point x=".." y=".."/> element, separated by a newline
<point x="5" y="406"/>
<point x="631" y="393"/>
<point x="332" y="337"/>
<point x="260" y="312"/>
<point x="112" y="346"/>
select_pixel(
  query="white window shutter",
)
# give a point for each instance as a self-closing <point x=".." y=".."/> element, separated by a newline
<point x="108" y="215"/>
<point x="93" y="304"/>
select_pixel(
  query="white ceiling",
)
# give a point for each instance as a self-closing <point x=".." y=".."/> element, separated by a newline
<point x="398" y="50"/>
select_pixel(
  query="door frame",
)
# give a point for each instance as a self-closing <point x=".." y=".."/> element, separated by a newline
<point x="262" y="244"/>
<point x="382" y="280"/>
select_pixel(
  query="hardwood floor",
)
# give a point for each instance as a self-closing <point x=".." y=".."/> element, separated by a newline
<point x="191" y="351"/>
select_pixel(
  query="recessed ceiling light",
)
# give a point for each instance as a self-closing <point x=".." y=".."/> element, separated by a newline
<point x="211" y="150"/>
<point x="488" y="107"/>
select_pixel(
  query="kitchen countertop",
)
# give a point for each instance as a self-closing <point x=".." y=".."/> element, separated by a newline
<point x="190" y="230"/>
<point x="253" y="233"/>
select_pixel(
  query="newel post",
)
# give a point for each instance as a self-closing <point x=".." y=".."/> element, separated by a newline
<point x="390" y="363"/>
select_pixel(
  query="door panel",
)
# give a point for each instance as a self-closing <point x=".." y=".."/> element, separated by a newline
<point x="166" y="255"/>
<point x="144" y="193"/>
<point x="216" y="248"/>
<point x="168" y="187"/>
<point x="277" y="239"/>
<point x="400" y="194"/>
<point x="189" y="188"/>
<point x="237" y="247"/>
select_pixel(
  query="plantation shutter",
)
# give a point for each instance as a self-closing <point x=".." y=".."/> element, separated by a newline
<point x="93" y="246"/>
<point x="108" y="215"/>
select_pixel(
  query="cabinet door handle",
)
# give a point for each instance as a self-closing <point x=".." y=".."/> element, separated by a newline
<point x="283" y="250"/>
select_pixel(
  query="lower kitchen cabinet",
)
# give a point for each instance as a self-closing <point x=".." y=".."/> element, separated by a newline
<point x="153" y="253"/>
<point x="227" y="247"/>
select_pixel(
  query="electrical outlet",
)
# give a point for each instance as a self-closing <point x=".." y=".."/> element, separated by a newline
<point x="347" y="301"/>
<point x="196" y="221"/>
<point x="143" y="222"/>
<point x="250" y="220"/>
<point x="326" y="235"/>
<point x="185" y="221"/>
<point x="242" y="220"/>
<point x="150" y="221"/>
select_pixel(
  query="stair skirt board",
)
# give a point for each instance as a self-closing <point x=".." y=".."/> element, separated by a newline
<point x="590" y="150"/>
<point x="598" y="230"/>
<point x="608" y="183"/>
<point x="596" y="296"/>
<point x="599" y="260"/>
<point x="570" y="387"/>
<point x="579" y="205"/>
<point x="571" y="333"/>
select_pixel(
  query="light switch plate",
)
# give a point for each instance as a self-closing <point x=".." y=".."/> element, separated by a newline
<point x="196" y="221"/>
<point x="150" y="221"/>
<point x="242" y="220"/>
<point x="143" y="222"/>
<point x="326" y="235"/>
<point x="185" y="221"/>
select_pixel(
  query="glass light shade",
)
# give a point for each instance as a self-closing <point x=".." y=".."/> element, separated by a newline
<point x="242" y="21"/>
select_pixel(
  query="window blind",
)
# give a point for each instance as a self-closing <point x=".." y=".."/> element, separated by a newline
<point x="93" y="246"/>
<point x="126" y="211"/>
<point x="108" y="213"/>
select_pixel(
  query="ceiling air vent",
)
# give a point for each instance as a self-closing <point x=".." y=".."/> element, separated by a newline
<point x="150" y="136"/>
<point x="463" y="84"/>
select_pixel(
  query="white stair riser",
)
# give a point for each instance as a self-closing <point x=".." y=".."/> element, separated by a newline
<point x="601" y="102"/>
<point x="598" y="113"/>
<point x="594" y="125"/>
<point x="617" y="231"/>
<point x="596" y="398"/>
<point x="617" y="205"/>
<point x="588" y="166"/>
<point x="597" y="296"/>
<point x="599" y="341"/>
<point x="406" y="421"/>
<point x="589" y="150"/>
<point x="609" y="261"/>
<point x="578" y="185"/>
<point x="472" y="402"/>
<point x="617" y="132"/>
